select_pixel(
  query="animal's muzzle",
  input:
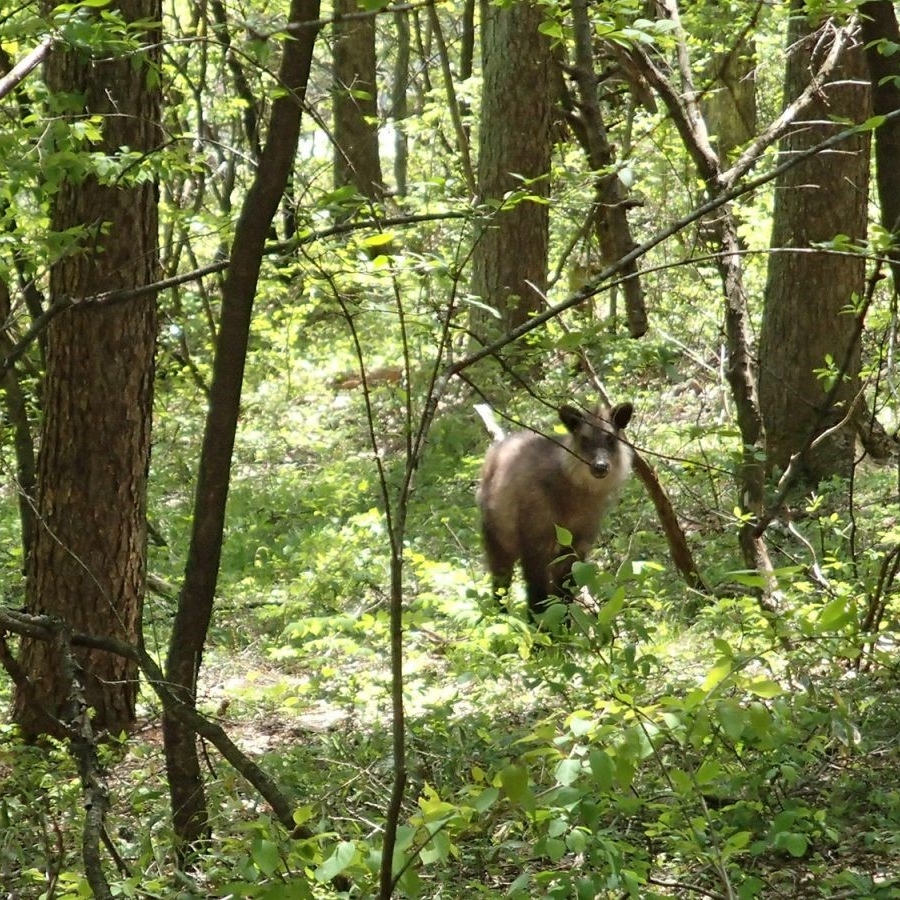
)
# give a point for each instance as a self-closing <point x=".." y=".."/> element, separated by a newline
<point x="600" y="469"/>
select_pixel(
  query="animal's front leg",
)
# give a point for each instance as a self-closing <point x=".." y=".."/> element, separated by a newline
<point x="537" y="581"/>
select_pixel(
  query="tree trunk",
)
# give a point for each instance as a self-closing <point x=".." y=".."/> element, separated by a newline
<point x="357" y="160"/>
<point x="740" y="372"/>
<point x="15" y="405"/>
<point x="879" y="27"/>
<point x="510" y="258"/>
<point x="729" y="101"/>
<point x="400" y="102"/>
<point x="611" y="203"/>
<point x="88" y="562"/>
<point x="195" y="604"/>
<point x="805" y="323"/>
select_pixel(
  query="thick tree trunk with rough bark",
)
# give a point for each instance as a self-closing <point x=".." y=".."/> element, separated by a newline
<point x="805" y="319"/>
<point x="510" y="258"/>
<point x="88" y="563"/>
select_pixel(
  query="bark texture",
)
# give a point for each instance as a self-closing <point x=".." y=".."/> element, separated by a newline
<point x="510" y="258"/>
<point x="87" y="564"/>
<point x="356" y="155"/>
<point x="805" y="321"/>
<point x="880" y="31"/>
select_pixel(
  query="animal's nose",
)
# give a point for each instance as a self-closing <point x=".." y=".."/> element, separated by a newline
<point x="600" y="468"/>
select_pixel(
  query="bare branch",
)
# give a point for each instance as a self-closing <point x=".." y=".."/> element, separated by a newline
<point x="779" y="126"/>
<point x="25" y="66"/>
<point x="45" y="628"/>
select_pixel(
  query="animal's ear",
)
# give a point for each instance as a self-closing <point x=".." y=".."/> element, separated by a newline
<point x="571" y="417"/>
<point x="620" y="415"/>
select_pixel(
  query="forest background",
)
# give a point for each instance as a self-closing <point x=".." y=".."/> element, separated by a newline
<point x="257" y="264"/>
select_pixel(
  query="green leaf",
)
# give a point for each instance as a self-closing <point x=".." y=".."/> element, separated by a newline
<point x="406" y="835"/>
<point x="568" y="771"/>
<point x="581" y="723"/>
<point x="553" y="848"/>
<point x="748" y="578"/>
<point x="519" y="884"/>
<point x="709" y="771"/>
<point x="514" y="780"/>
<point x="265" y="856"/>
<point x="602" y="769"/>
<point x="557" y="827"/>
<point x="759" y="720"/>
<point x="835" y="614"/>
<point x="344" y="854"/>
<point x="433" y="807"/>
<point x="871" y="123"/>
<point x="381" y="239"/>
<point x="751" y="888"/>
<point x="485" y="800"/>
<point x="732" y="718"/>
<point x="437" y="849"/>
<point x="339" y="196"/>
<point x="82" y="4"/>
<point x="736" y="842"/>
<point x="551" y="29"/>
<point x="765" y="688"/>
<point x="612" y="607"/>
<point x="681" y="781"/>
<point x="296" y="889"/>
<point x="795" y="844"/>
<point x="570" y="340"/>
<point x="577" y="841"/>
<point x="717" y="674"/>
<point x="302" y="814"/>
<point x="584" y="574"/>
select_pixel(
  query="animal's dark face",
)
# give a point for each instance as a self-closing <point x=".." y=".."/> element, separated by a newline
<point x="595" y="436"/>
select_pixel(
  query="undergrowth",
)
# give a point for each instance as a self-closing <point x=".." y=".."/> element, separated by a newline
<point x="656" y="742"/>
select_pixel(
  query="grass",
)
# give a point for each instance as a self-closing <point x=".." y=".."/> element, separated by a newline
<point x="671" y="745"/>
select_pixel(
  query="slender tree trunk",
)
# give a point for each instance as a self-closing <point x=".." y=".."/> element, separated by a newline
<point x="611" y="203"/>
<point x="453" y="102"/>
<point x="880" y="33"/>
<point x="510" y="258"/>
<point x="688" y="118"/>
<point x="195" y="605"/>
<point x="805" y="323"/>
<point x="88" y="564"/>
<point x="15" y="405"/>
<point x="357" y="160"/>
<point x="400" y="102"/>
